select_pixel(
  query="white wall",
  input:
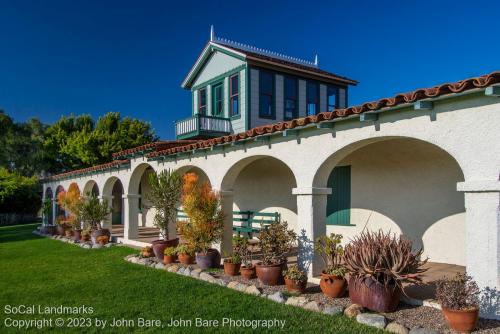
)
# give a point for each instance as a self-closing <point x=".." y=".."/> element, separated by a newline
<point x="266" y="185"/>
<point x="407" y="186"/>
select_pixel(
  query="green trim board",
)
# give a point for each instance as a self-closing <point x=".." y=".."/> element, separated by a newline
<point x="338" y="207"/>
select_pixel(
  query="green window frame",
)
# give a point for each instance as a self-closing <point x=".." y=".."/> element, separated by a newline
<point x="202" y="101"/>
<point x="218" y="99"/>
<point x="234" y="95"/>
<point x="338" y="207"/>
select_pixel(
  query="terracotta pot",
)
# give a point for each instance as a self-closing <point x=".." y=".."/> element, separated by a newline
<point x="209" y="260"/>
<point x="68" y="233"/>
<point x="85" y="237"/>
<point x="77" y="235"/>
<point x="332" y="285"/>
<point x="52" y="230"/>
<point x="185" y="258"/>
<point x="160" y="245"/>
<point x="269" y="274"/>
<point x="167" y="259"/>
<point x="247" y="272"/>
<point x="463" y="321"/>
<point x="295" y="286"/>
<point x="103" y="242"/>
<point x="60" y="230"/>
<point x="232" y="269"/>
<point x="148" y="253"/>
<point x="97" y="233"/>
<point x="374" y="295"/>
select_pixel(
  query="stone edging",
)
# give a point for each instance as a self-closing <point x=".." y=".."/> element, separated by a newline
<point x="353" y="311"/>
<point x="84" y="245"/>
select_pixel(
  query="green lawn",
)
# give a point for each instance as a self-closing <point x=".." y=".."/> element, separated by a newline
<point x="40" y="271"/>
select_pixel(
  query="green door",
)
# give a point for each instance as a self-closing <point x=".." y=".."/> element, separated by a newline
<point x="338" y="208"/>
<point x="218" y="100"/>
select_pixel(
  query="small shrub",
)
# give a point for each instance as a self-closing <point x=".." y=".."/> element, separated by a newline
<point x="460" y="292"/>
<point x="295" y="274"/>
<point x="170" y="251"/>
<point x="331" y="251"/>
<point x="102" y="239"/>
<point x="276" y="240"/>
<point x="185" y="249"/>
<point x="147" y="251"/>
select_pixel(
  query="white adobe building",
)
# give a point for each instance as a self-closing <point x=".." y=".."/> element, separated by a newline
<point x="274" y="134"/>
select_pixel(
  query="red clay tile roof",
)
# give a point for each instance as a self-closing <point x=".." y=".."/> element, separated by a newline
<point x="109" y="165"/>
<point x="154" y="146"/>
<point x="399" y="99"/>
<point x="281" y="62"/>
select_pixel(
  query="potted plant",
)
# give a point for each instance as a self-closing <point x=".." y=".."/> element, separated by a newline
<point x="276" y="240"/>
<point x="147" y="251"/>
<point x="102" y="240"/>
<point x="170" y="255"/>
<point x="185" y="253"/>
<point x="333" y="283"/>
<point x="459" y="298"/>
<point x="85" y="235"/>
<point x="295" y="279"/>
<point x="91" y="211"/>
<point x="232" y="263"/>
<point x="61" y="225"/>
<point x="164" y="194"/>
<point x="247" y="269"/>
<point x="377" y="264"/>
<point x="206" y="220"/>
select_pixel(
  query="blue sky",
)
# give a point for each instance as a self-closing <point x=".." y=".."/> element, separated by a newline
<point x="58" y="57"/>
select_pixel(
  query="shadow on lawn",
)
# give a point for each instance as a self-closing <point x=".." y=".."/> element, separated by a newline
<point x="22" y="232"/>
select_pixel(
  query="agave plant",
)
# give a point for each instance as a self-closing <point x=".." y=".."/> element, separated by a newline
<point x="383" y="257"/>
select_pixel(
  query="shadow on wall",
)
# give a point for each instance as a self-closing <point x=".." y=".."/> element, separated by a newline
<point x="408" y="186"/>
<point x="490" y="303"/>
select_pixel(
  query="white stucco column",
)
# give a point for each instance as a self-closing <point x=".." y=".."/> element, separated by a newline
<point x="227" y="208"/>
<point x="107" y="222"/>
<point x="482" y="243"/>
<point x="311" y="214"/>
<point x="54" y="203"/>
<point x="130" y="216"/>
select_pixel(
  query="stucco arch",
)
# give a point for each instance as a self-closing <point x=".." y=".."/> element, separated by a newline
<point x="48" y="193"/>
<point x="202" y="175"/>
<point x="136" y="177"/>
<point x="91" y="187"/>
<point x="321" y="175"/>
<point x="406" y="186"/>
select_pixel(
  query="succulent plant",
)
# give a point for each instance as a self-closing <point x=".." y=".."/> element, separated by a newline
<point x="295" y="274"/>
<point x="170" y="251"/>
<point x="460" y="292"/>
<point x="332" y="252"/>
<point x="383" y="257"/>
<point x="276" y="240"/>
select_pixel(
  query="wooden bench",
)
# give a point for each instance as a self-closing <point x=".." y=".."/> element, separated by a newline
<point x="246" y="222"/>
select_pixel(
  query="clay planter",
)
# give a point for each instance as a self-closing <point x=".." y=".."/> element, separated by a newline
<point x="332" y="285"/>
<point x="374" y="295"/>
<point x="167" y="259"/>
<point x="185" y="258"/>
<point x="85" y="237"/>
<point x="103" y="242"/>
<point x="60" y="230"/>
<point x="463" y="321"/>
<point x="232" y="269"/>
<point x="295" y="286"/>
<point x="160" y="245"/>
<point x="269" y="274"/>
<point x="97" y="233"/>
<point x="209" y="260"/>
<point x="147" y="254"/>
<point x="77" y="235"/>
<point x="52" y="230"/>
<point x="247" y="272"/>
<point x="68" y="233"/>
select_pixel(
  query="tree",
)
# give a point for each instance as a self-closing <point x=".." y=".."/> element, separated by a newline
<point x="164" y="195"/>
<point x="92" y="212"/>
<point x="19" y="194"/>
<point x="77" y="142"/>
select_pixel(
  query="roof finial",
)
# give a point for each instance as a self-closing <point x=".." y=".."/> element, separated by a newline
<point x="316" y="60"/>
<point x="212" y="33"/>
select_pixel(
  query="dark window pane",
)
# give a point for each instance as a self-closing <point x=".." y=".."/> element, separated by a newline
<point x="290" y="109"/>
<point x="234" y="85"/>
<point x="266" y="83"/>
<point x="290" y="88"/>
<point x="234" y="106"/>
<point x="331" y="97"/>
<point x="265" y="102"/>
<point x="311" y="109"/>
<point x="203" y="110"/>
